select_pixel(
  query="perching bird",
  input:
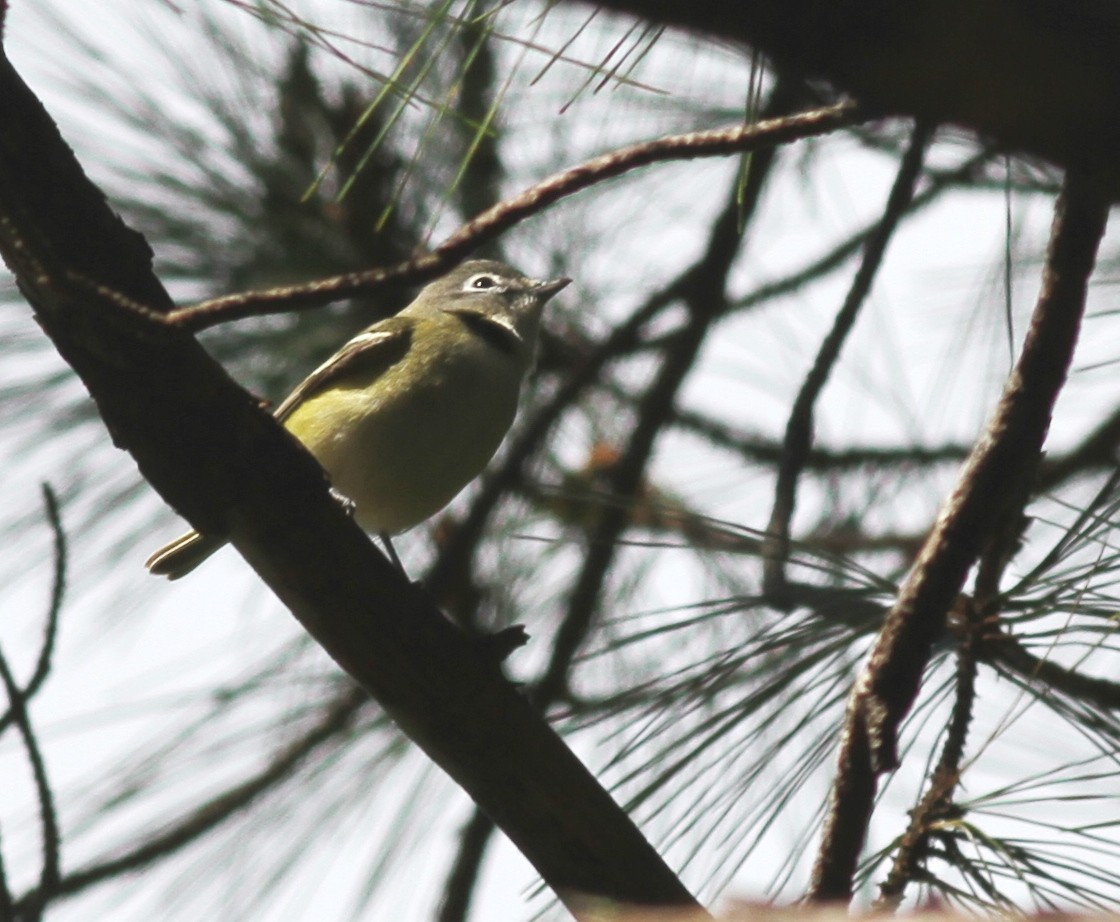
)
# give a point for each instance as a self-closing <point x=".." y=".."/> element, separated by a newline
<point x="411" y="409"/>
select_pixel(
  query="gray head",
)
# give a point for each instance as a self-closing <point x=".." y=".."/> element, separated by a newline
<point x="491" y="289"/>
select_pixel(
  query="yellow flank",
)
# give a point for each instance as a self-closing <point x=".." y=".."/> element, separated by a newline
<point x="401" y="453"/>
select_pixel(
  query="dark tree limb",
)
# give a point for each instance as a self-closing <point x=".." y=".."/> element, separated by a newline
<point x="990" y="482"/>
<point x="227" y="465"/>
<point x="1034" y="76"/>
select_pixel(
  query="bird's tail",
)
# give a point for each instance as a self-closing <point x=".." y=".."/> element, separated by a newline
<point x="182" y="555"/>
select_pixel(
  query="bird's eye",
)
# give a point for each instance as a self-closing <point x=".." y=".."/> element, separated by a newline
<point x="482" y="282"/>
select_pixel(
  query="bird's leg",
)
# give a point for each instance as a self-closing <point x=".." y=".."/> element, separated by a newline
<point x="348" y="505"/>
<point x="384" y="536"/>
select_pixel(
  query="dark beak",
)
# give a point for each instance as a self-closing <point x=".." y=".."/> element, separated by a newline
<point x="547" y="289"/>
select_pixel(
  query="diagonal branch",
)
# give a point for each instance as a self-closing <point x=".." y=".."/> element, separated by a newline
<point x="991" y="479"/>
<point x="501" y="217"/>
<point x="216" y="455"/>
<point x="798" y="440"/>
<point x="936" y="804"/>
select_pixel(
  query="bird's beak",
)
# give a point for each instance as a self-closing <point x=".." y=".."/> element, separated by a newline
<point x="546" y="289"/>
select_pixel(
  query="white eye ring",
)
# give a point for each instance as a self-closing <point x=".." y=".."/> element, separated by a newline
<point x="482" y="282"/>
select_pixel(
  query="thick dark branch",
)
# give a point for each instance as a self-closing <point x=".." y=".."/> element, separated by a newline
<point x="990" y="481"/>
<point x="218" y="457"/>
<point x="1037" y="76"/>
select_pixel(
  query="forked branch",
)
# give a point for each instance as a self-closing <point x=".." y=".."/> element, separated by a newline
<point x="1006" y="452"/>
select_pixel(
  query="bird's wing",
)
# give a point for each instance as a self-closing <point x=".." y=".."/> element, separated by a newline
<point x="372" y="352"/>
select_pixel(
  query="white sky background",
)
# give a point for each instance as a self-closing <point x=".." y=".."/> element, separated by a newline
<point x="926" y="360"/>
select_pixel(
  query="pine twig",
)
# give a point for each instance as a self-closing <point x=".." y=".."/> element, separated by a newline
<point x="799" y="429"/>
<point x="501" y="217"/>
<point x="1010" y="446"/>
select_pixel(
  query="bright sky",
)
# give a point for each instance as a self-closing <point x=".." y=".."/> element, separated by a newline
<point x="138" y="656"/>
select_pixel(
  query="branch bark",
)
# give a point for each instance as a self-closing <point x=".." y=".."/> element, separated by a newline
<point x="1036" y="76"/>
<point x="1004" y="457"/>
<point x="226" y="464"/>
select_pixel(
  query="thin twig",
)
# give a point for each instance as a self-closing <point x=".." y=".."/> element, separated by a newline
<point x="459" y="888"/>
<point x="1010" y="656"/>
<point x="991" y="478"/>
<point x="705" y="304"/>
<point x="1099" y="449"/>
<point x="336" y="718"/>
<point x="503" y="216"/>
<point x="50" y="874"/>
<point x="798" y="440"/>
<point x="840" y="253"/>
<point x="58" y="590"/>
<point x="17" y="714"/>
<point x="759" y="449"/>
<point x="936" y="805"/>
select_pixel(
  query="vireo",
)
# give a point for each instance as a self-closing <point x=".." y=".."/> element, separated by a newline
<point x="411" y="409"/>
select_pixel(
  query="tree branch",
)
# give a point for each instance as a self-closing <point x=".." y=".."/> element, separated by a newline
<point x="217" y="456"/>
<point x="501" y="217"/>
<point x="1037" y="76"/>
<point x="990" y="481"/>
<point x="798" y="439"/>
<point x="54" y="608"/>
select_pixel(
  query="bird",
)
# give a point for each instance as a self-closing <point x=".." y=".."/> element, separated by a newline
<point x="411" y="409"/>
